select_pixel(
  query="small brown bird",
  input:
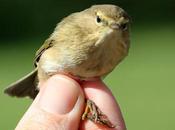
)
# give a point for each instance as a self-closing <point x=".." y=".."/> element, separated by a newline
<point x="86" y="45"/>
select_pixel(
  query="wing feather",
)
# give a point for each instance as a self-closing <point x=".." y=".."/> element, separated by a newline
<point x="47" y="44"/>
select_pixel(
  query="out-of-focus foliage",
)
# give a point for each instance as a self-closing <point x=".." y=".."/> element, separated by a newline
<point x="33" y="18"/>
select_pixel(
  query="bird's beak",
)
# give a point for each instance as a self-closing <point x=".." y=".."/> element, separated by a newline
<point x="114" y="26"/>
<point x="119" y="24"/>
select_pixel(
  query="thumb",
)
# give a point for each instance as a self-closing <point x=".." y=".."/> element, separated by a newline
<point x="59" y="104"/>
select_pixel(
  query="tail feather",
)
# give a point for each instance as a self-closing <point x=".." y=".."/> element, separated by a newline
<point x="26" y="86"/>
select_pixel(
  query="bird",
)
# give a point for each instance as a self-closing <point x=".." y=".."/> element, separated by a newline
<point x="85" y="45"/>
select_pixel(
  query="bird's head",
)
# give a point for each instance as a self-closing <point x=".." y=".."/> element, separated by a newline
<point x="110" y="16"/>
<point x="102" y="21"/>
<point x="96" y="23"/>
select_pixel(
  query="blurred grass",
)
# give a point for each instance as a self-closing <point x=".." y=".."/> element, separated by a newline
<point x="144" y="83"/>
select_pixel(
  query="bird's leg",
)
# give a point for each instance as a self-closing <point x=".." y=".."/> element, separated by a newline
<point x="90" y="111"/>
<point x="93" y="113"/>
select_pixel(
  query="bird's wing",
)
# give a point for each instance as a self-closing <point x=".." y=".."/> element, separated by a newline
<point x="25" y="86"/>
<point x="47" y="44"/>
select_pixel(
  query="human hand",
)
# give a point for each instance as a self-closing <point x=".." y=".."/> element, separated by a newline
<point x="60" y="104"/>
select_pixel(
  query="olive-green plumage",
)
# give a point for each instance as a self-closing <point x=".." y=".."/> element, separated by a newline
<point x="87" y="44"/>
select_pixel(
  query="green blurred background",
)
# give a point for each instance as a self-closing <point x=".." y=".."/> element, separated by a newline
<point x="144" y="83"/>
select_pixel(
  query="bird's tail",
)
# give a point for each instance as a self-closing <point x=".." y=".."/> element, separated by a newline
<point x="26" y="86"/>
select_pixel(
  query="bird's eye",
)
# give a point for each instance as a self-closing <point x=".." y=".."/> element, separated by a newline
<point x="98" y="19"/>
<point x="124" y="26"/>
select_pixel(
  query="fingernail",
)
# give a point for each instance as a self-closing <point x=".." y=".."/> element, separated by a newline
<point x="59" y="94"/>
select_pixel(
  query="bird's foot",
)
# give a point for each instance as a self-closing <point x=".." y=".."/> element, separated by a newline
<point x="93" y="113"/>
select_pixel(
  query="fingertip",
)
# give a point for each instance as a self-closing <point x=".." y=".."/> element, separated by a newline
<point x="58" y="94"/>
<point x="67" y="80"/>
<point x="98" y="92"/>
<point x="59" y="104"/>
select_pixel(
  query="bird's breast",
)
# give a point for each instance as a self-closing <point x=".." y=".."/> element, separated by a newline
<point x="110" y="50"/>
<point x="82" y="62"/>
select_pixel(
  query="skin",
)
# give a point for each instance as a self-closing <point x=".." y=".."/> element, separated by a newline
<point x="49" y="112"/>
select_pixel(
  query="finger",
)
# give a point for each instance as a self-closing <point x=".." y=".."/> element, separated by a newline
<point x="58" y="105"/>
<point x="99" y="93"/>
